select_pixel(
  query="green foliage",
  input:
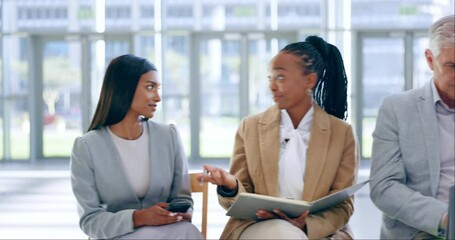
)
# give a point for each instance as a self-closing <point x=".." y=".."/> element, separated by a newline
<point x="58" y="73"/>
<point x="408" y="10"/>
<point x="85" y="13"/>
<point x="244" y="11"/>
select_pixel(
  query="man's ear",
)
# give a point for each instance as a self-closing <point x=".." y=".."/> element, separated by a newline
<point x="430" y="58"/>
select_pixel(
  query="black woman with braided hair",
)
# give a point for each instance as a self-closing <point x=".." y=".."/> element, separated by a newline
<point x="300" y="148"/>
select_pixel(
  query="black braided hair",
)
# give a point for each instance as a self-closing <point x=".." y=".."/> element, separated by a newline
<point x="324" y="59"/>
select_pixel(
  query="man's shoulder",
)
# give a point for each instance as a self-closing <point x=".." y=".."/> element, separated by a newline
<point x="406" y="98"/>
<point x="412" y="94"/>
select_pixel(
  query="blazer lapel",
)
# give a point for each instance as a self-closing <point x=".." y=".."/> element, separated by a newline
<point x="429" y="127"/>
<point x="154" y="170"/>
<point x="117" y="164"/>
<point x="269" y="144"/>
<point x="317" y="152"/>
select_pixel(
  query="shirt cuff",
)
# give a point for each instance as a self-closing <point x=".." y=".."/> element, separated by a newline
<point x="441" y="222"/>
<point x="442" y="226"/>
<point x="224" y="192"/>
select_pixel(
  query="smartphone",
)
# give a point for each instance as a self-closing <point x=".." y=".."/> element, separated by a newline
<point x="179" y="205"/>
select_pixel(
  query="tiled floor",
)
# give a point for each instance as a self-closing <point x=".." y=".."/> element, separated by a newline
<point x="38" y="204"/>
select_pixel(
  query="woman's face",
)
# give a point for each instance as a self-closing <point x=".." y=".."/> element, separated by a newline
<point x="146" y="96"/>
<point x="288" y="83"/>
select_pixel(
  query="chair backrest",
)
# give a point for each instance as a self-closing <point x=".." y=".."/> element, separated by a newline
<point x="204" y="189"/>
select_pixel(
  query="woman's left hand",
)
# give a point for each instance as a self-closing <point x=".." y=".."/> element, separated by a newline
<point x="298" y="221"/>
<point x="186" y="216"/>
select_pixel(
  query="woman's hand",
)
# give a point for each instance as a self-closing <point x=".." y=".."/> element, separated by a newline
<point x="186" y="216"/>
<point x="298" y="221"/>
<point x="218" y="176"/>
<point x="157" y="215"/>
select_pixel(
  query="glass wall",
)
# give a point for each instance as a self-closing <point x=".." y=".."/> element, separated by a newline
<point x="421" y="72"/>
<point x="220" y="70"/>
<point x="176" y="86"/>
<point x="379" y="80"/>
<point x="212" y="58"/>
<point x="61" y="94"/>
<point x="15" y="102"/>
<point x="398" y="14"/>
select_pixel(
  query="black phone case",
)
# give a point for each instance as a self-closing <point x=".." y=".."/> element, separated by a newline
<point x="178" y="206"/>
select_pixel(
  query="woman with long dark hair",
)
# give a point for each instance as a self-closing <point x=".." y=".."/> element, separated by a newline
<point x="300" y="148"/>
<point x="126" y="169"/>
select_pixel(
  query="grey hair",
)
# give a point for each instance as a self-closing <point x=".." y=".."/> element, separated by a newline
<point x="442" y="34"/>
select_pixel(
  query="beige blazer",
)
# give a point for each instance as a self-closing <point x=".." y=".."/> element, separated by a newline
<point x="331" y="165"/>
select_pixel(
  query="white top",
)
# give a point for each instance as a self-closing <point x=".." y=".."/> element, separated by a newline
<point x="135" y="158"/>
<point x="293" y="148"/>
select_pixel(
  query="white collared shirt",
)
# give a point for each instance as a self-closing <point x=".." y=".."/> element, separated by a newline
<point x="293" y="148"/>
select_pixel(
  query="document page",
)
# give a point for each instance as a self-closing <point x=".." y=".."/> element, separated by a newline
<point x="248" y="204"/>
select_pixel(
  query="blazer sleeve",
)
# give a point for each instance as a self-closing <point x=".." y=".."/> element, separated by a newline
<point x="94" y="221"/>
<point x="389" y="191"/>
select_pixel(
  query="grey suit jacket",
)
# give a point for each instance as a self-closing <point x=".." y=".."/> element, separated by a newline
<point x="106" y="201"/>
<point x="406" y="165"/>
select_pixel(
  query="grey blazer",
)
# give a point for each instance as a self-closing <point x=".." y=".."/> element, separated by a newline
<point x="406" y="165"/>
<point x="106" y="201"/>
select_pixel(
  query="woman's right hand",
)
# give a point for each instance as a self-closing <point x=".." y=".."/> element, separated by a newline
<point x="155" y="215"/>
<point x="218" y="176"/>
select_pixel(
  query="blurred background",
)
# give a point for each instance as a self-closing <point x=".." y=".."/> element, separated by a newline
<point x="212" y="57"/>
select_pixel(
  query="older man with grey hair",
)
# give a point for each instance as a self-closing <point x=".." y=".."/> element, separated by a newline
<point x="413" y="149"/>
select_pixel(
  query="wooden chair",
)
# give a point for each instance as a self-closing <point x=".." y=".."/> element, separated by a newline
<point x="204" y="189"/>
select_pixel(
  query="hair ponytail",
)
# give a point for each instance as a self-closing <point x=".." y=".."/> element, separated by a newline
<point x="331" y="89"/>
<point x="324" y="59"/>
